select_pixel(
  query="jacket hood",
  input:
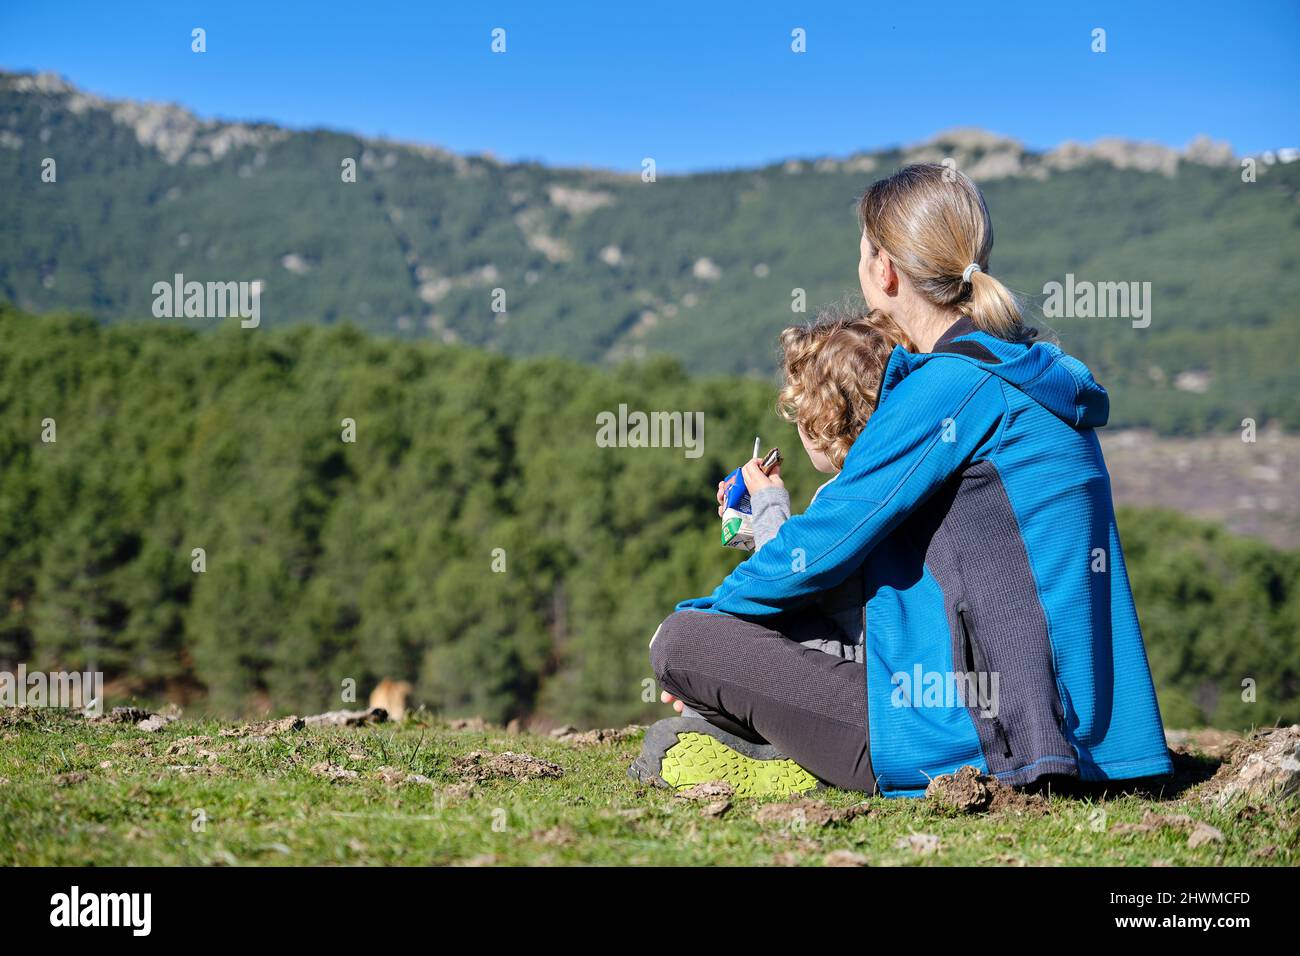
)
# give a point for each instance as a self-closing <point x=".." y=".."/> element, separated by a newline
<point x="1058" y="382"/>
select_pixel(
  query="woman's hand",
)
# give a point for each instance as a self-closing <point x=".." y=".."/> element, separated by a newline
<point x="755" y="480"/>
<point x="668" y="698"/>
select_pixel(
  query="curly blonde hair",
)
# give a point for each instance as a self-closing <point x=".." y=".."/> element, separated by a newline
<point x="833" y="368"/>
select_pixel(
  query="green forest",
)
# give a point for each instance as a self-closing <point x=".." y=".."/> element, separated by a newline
<point x="473" y="538"/>
<point x="599" y="267"/>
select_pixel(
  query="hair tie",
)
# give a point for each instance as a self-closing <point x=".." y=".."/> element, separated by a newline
<point x="969" y="271"/>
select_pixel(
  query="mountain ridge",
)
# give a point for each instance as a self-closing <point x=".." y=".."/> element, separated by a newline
<point x="152" y="118"/>
<point x="602" y="267"/>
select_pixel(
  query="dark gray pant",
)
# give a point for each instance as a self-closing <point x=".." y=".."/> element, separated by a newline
<point x="763" y="685"/>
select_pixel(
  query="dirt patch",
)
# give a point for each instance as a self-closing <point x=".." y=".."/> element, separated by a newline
<point x="485" y="765"/>
<point x="595" y="738"/>
<point x="184" y="744"/>
<point x="1154" y="822"/>
<point x="1263" y="766"/>
<point x="969" y="791"/>
<point x="265" y="728"/>
<point x="70" y="779"/>
<point x="155" y="722"/>
<point x="331" y="771"/>
<point x="1208" y="741"/>
<point x="145" y="720"/>
<point x="1202" y="834"/>
<point x="561" y="835"/>
<point x="845" y="858"/>
<point x="922" y="844"/>
<point x="197" y="769"/>
<point x="801" y="813"/>
<point x="396" y="778"/>
<point x="712" y="790"/>
<point x="1198" y="832"/>
<point x="715" y="795"/>
<point x="716" y="809"/>
<point x="123" y="715"/>
<point x="347" y="718"/>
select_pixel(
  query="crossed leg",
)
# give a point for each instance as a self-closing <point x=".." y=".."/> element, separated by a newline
<point x="763" y="685"/>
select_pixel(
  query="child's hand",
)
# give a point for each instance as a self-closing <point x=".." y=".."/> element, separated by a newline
<point x="755" y="480"/>
<point x="723" y="485"/>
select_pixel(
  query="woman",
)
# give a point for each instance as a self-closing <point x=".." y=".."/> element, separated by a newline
<point x="974" y="511"/>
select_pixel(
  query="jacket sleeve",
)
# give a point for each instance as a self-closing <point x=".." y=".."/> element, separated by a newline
<point x="935" y="421"/>
<point x="771" y="508"/>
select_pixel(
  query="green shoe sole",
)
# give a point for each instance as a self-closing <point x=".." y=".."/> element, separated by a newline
<point x="682" y="751"/>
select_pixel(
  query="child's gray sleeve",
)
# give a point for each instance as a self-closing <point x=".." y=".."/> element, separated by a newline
<point x="771" y="509"/>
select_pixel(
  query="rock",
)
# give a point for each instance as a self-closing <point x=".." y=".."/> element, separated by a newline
<point x="154" y="723"/>
<point x="578" y="201"/>
<point x="347" y="718"/>
<point x="1264" y="766"/>
<point x="1210" y="152"/>
<point x="706" y="270"/>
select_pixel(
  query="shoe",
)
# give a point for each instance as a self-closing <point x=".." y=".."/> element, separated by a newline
<point x="680" y="752"/>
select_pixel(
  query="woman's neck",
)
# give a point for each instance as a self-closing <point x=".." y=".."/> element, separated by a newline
<point x="926" y="326"/>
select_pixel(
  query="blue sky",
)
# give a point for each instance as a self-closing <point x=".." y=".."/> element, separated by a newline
<point x="696" y="85"/>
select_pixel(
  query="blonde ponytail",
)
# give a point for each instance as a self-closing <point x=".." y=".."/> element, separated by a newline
<point x="992" y="308"/>
<point x="933" y="222"/>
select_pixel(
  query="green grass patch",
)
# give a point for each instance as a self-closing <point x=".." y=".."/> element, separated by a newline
<point x="74" y="792"/>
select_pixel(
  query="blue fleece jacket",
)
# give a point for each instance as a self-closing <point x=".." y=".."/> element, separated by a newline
<point x="1000" y="628"/>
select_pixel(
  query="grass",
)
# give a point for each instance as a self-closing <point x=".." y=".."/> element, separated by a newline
<point x="74" y="792"/>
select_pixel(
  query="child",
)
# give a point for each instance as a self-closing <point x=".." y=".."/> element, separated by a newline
<point x="832" y="369"/>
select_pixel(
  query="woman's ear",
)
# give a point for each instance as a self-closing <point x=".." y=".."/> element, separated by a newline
<point x="886" y="274"/>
